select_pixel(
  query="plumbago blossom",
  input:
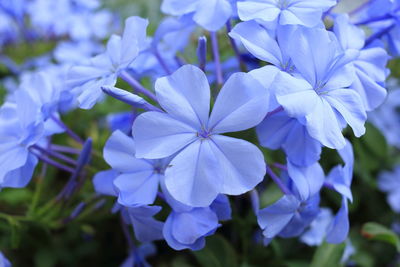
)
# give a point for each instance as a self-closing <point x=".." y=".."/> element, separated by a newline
<point x="174" y="165"/>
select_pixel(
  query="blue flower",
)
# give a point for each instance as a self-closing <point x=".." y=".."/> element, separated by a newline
<point x="209" y="14"/>
<point x="389" y="182"/>
<point x="284" y="12"/>
<point x="207" y="163"/>
<point x="105" y="68"/>
<point x="4" y="262"/>
<point x="188" y="229"/>
<point x="288" y="217"/>
<point x="138" y="179"/>
<point x="315" y="235"/>
<point x="270" y="46"/>
<point x="386" y="118"/>
<point x="138" y="256"/>
<point x="146" y="228"/>
<point x="340" y="179"/>
<point x="20" y="128"/>
<point x="320" y="97"/>
<point x="281" y="131"/>
<point x="369" y="64"/>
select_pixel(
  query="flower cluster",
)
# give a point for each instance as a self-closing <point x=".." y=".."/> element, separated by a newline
<point x="183" y="147"/>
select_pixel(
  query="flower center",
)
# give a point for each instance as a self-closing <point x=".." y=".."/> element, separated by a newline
<point x="203" y="134"/>
<point x="282" y="4"/>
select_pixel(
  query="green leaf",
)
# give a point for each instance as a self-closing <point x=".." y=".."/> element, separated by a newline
<point x="375" y="231"/>
<point x="328" y="255"/>
<point x="217" y="253"/>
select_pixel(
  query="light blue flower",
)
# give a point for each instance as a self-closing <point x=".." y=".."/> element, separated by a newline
<point x="209" y="14"/>
<point x="284" y="12"/>
<point x="340" y="179"/>
<point x="386" y="118"/>
<point x="315" y="235"/>
<point x="266" y="45"/>
<point x="320" y="97"/>
<point x="138" y="179"/>
<point x="137" y="257"/>
<point x="288" y="217"/>
<point x="20" y="128"/>
<point x="207" y="163"/>
<point x="4" y="262"/>
<point x="105" y="68"/>
<point x="389" y="182"/>
<point x="188" y="229"/>
<point x="369" y="64"/>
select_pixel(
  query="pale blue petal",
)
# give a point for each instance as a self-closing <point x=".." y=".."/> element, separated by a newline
<point x="119" y="153"/>
<point x="103" y="182"/>
<point x="222" y="208"/>
<point x="185" y="95"/>
<point x="313" y="53"/>
<point x="20" y="177"/>
<point x="274" y="218"/>
<point x="212" y="14"/>
<point x="179" y="7"/>
<point x="137" y="188"/>
<point x="189" y="226"/>
<point x="158" y="135"/>
<point x="133" y="40"/>
<point x="241" y="104"/>
<point x="316" y="234"/>
<point x="256" y="9"/>
<point x="339" y="227"/>
<point x="323" y="125"/>
<point x="266" y="76"/>
<point x="12" y="157"/>
<point x="308" y="180"/>
<point x="194" y="176"/>
<point x="292" y="93"/>
<point x="279" y="130"/>
<point x="146" y="228"/>
<point x="240" y="164"/>
<point x="348" y="103"/>
<point x="258" y="42"/>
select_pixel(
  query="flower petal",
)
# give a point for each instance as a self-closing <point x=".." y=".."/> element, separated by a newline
<point x="194" y="177"/>
<point x="185" y="95"/>
<point x="241" y="104"/>
<point x="137" y="188"/>
<point x="258" y="42"/>
<point x="158" y="135"/>
<point x="241" y="164"/>
<point x="273" y="219"/>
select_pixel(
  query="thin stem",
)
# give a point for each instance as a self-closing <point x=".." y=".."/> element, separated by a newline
<point x="279" y="166"/>
<point x="55" y="154"/>
<point x="161" y="61"/>
<point x="235" y="48"/>
<point x="127" y="234"/>
<point x="278" y="182"/>
<point x="217" y="60"/>
<point x="71" y="133"/>
<point x="38" y="190"/>
<point x="54" y="163"/>
<point x="359" y="8"/>
<point x="379" y="34"/>
<point x="137" y="86"/>
<point x="65" y="149"/>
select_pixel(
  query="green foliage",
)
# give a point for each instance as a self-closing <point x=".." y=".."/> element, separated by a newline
<point x="328" y="255"/>
<point x="375" y="231"/>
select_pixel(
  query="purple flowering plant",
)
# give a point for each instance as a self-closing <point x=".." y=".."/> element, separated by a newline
<point x="226" y="133"/>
